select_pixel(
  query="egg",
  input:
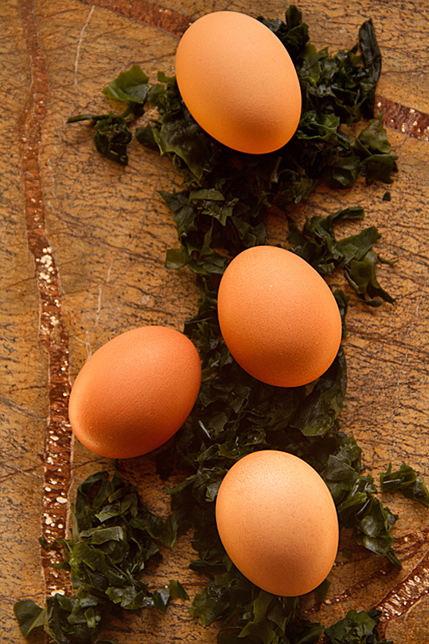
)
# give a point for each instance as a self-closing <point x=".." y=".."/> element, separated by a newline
<point x="239" y="82"/>
<point x="278" y="316"/>
<point x="135" y="392"/>
<point x="277" y="522"/>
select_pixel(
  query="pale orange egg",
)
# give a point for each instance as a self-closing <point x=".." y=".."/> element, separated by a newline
<point x="239" y="82"/>
<point x="278" y="316"/>
<point x="277" y="522"/>
<point x="135" y="392"/>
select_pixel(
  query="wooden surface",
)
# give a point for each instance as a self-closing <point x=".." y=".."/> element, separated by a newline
<point x="82" y="259"/>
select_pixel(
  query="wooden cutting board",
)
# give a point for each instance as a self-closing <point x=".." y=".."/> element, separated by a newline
<point x="82" y="253"/>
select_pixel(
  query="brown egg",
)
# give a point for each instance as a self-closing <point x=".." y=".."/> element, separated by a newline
<point x="135" y="392"/>
<point x="239" y="82"/>
<point x="277" y="522"/>
<point x="278" y="317"/>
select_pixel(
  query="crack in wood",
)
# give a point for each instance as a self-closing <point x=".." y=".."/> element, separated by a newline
<point x="403" y="119"/>
<point x="405" y="595"/>
<point x="52" y="334"/>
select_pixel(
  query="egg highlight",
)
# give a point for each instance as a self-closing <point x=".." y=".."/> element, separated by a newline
<point x="278" y="316"/>
<point x="277" y="522"/>
<point x="239" y="82"/>
<point x="135" y="392"/>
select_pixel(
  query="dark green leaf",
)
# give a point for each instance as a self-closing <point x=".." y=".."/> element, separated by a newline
<point x="371" y="57"/>
<point x="406" y="481"/>
<point x="144" y="135"/>
<point x="30" y="616"/>
<point x="373" y="148"/>
<point x="161" y="598"/>
<point x="318" y="412"/>
<point x="188" y="146"/>
<point x="81" y="117"/>
<point x="112" y="136"/>
<point x="362" y="276"/>
<point x="356" y="628"/>
<point x="132" y="85"/>
<point x="176" y="590"/>
<point x="293" y="34"/>
<point x="175" y="258"/>
<point x="373" y="139"/>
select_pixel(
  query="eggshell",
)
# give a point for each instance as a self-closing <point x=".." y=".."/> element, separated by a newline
<point x="278" y="522"/>
<point x="278" y="316"/>
<point x="239" y="82"/>
<point x="135" y="392"/>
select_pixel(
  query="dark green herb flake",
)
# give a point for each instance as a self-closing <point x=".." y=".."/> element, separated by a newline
<point x="407" y="482"/>
<point x="356" y="628"/>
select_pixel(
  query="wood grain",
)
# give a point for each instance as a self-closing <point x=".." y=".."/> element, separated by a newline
<point x="82" y="259"/>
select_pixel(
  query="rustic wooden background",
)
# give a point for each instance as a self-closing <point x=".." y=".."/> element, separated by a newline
<point x="82" y="259"/>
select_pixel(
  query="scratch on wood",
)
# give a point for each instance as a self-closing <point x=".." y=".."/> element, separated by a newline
<point x="79" y="44"/>
<point x="52" y="333"/>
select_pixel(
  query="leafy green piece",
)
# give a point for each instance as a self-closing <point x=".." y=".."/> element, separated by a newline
<point x="371" y="57"/>
<point x="176" y="590"/>
<point x="373" y="148"/>
<point x="317" y="244"/>
<point x="175" y="258"/>
<point x="373" y="139"/>
<point x="355" y="497"/>
<point x="294" y="34"/>
<point x="30" y="616"/>
<point x="203" y="219"/>
<point x="319" y="410"/>
<point x="112" y="136"/>
<point x="406" y="481"/>
<point x="77" y="618"/>
<point x="86" y="117"/>
<point x="356" y="628"/>
<point x="362" y="277"/>
<point x="131" y="85"/>
<point x="175" y="133"/>
<point x="173" y="136"/>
